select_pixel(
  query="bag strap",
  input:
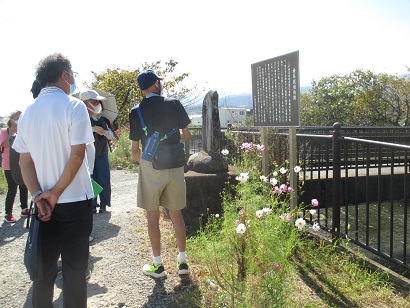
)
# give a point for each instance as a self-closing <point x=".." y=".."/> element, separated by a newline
<point x="31" y="213"/>
<point x="173" y="131"/>
<point x="144" y="127"/>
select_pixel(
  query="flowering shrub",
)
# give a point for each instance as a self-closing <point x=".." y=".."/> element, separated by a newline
<point x="251" y="155"/>
<point x="252" y="242"/>
<point x="120" y="154"/>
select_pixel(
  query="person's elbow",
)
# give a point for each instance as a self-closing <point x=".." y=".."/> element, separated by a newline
<point x="25" y="161"/>
<point x="186" y="134"/>
<point x="135" y="151"/>
<point x="77" y="154"/>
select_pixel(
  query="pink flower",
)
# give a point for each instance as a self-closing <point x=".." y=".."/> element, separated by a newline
<point x="315" y="202"/>
<point x="277" y="266"/>
<point x="260" y="147"/>
<point x="290" y="189"/>
<point x="276" y="190"/>
<point x="288" y="217"/>
<point x="283" y="187"/>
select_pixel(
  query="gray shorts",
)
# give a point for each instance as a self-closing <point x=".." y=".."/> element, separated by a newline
<point x="164" y="188"/>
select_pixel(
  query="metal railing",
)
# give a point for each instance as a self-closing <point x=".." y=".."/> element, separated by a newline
<point x="362" y="187"/>
<point x="380" y="175"/>
<point x="360" y="175"/>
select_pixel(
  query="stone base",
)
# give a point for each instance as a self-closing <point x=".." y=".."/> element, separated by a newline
<point x="203" y="193"/>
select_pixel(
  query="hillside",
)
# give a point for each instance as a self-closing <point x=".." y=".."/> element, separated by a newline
<point x="243" y="100"/>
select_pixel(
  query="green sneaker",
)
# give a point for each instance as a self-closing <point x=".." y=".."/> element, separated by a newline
<point x="154" y="271"/>
<point x="183" y="268"/>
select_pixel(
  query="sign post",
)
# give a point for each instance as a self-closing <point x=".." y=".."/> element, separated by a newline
<point x="276" y="102"/>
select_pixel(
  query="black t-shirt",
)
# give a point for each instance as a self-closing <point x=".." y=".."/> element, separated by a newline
<point x="100" y="142"/>
<point x="160" y="114"/>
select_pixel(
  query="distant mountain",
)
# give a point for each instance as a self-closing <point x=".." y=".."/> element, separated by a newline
<point x="236" y="101"/>
<point x="405" y="76"/>
<point x="243" y="100"/>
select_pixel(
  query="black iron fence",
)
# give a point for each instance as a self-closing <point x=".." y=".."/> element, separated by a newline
<point x="360" y="175"/>
<point x="362" y="185"/>
<point x="376" y="172"/>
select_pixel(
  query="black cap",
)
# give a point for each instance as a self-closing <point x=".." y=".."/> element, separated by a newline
<point x="146" y="79"/>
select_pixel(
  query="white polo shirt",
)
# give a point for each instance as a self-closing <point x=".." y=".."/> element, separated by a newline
<point x="47" y="129"/>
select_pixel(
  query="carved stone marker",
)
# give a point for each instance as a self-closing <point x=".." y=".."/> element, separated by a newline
<point x="210" y="160"/>
<point x="211" y="125"/>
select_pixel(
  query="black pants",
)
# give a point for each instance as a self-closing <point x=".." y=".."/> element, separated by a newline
<point x="67" y="234"/>
<point x="12" y="191"/>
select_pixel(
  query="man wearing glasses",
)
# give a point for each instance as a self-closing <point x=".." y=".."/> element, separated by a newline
<point x="53" y="133"/>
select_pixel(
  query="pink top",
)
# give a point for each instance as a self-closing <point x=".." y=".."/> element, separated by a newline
<point x="5" y="164"/>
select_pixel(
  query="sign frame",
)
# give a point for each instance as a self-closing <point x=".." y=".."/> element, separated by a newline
<point x="276" y="91"/>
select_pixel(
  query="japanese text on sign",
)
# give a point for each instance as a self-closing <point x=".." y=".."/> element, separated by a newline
<point x="275" y="91"/>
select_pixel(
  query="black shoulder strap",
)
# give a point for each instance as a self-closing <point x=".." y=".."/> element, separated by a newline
<point x="144" y="127"/>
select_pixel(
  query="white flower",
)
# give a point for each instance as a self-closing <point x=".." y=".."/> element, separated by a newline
<point x="273" y="181"/>
<point x="283" y="170"/>
<point x="300" y="223"/>
<point x="240" y="229"/>
<point x="275" y="173"/>
<point x="259" y="214"/>
<point x="297" y="169"/>
<point x="243" y="177"/>
<point x="264" y="178"/>
<point x="316" y="227"/>
<point x="266" y="210"/>
<point x="217" y="215"/>
<point x="225" y="152"/>
<point x="312" y="212"/>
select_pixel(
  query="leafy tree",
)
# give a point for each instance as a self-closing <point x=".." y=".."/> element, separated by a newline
<point x="122" y="83"/>
<point x="361" y="98"/>
<point x="396" y="98"/>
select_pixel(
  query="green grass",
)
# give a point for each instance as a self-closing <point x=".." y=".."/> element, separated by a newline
<point x="334" y="277"/>
<point x="274" y="263"/>
<point x="317" y="274"/>
<point x="120" y="155"/>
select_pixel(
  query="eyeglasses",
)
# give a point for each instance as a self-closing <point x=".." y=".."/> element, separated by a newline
<point x="74" y="75"/>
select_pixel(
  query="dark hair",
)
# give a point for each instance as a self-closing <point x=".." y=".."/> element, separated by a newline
<point x="35" y="88"/>
<point x="51" y="67"/>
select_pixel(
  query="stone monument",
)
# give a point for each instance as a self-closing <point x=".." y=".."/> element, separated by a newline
<point x="208" y="173"/>
<point x="209" y="160"/>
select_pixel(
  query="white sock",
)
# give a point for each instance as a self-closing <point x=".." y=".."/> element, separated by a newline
<point x="182" y="256"/>
<point x="157" y="260"/>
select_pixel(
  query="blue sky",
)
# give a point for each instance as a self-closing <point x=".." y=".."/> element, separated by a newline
<point x="215" y="41"/>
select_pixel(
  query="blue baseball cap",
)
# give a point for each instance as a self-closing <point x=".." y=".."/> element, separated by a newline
<point x="146" y="79"/>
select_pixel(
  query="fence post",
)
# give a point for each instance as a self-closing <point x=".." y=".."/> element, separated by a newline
<point x="265" y="156"/>
<point x="336" y="182"/>
<point x="293" y="157"/>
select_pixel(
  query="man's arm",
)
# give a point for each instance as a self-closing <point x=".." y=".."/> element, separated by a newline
<point x="185" y="133"/>
<point x="136" y="151"/>
<point x="29" y="174"/>
<point x="70" y="170"/>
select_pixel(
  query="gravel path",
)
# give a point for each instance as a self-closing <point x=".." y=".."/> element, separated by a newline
<point x="119" y="250"/>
